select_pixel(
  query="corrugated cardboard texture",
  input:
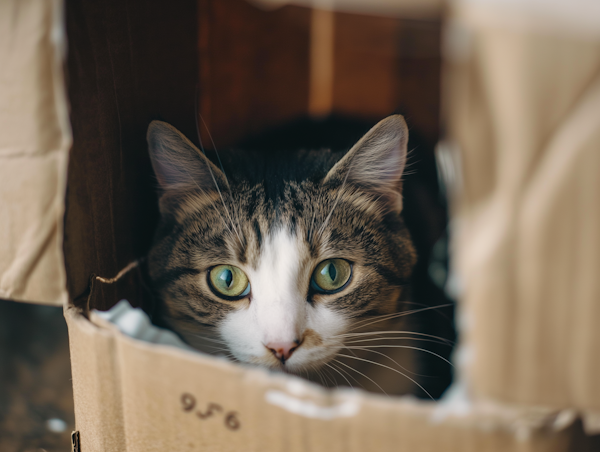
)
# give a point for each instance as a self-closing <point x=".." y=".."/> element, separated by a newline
<point x="96" y="386"/>
<point x="34" y="142"/>
<point x="526" y="115"/>
<point x="133" y="396"/>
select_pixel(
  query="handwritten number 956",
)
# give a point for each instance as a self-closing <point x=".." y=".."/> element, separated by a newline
<point x="188" y="403"/>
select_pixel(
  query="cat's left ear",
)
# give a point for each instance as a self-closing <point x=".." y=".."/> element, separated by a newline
<point x="377" y="161"/>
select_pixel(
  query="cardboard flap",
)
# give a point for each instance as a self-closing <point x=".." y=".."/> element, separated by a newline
<point x="579" y="18"/>
<point x="35" y="138"/>
<point x="96" y="384"/>
<point x="525" y="115"/>
<point x="136" y="396"/>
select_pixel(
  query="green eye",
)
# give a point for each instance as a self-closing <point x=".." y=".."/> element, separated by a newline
<point x="229" y="281"/>
<point x="331" y="275"/>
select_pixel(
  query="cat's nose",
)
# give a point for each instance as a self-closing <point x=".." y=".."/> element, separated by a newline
<point x="283" y="350"/>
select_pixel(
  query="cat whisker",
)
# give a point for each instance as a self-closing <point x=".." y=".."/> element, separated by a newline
<point x="320" y="375"/>
<point x="341" y="374"/>
<point x="206" y="338"/>
<point x="409" y="347"/>
<point x="388" y="357"/>
<point x="211" y="171"/>
<point x="409" y="161"/>
<point x="211" y="349"/>
<point x="215" y="347"/>
<point x="324" y="225"/>
<point x="352" y="352"/>
<point x="397" y="315"/>
<point x="203" y="191"/>
<point x="390" y="368"/>
<point x="334" y="383"/>
<point x="406" y="338"/>
<point x="224" y="344"/>
<point x="312" y="223"/>
<point x="370" y="333"/>
<point x="305" y="372"/>
<point x="312" y="367"/>
<point x="218" y="350"/>
<point x="241" y="242"/>
<point x="215" y="148"/>
<point x="392" y="315"/>
<point x="408" y="173"/>
<point x="339" y="195"/>
<point x="218" y="156"/>
<point x="345" y="372"/>
<point x="359" y="372"/>
<point x="359" y="323"/>
<point x="425" y="305"/>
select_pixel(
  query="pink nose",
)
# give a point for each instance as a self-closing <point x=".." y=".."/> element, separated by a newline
<point x="283" y="350"/>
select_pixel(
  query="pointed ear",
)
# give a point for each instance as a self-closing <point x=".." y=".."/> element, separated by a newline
<point x="377" y="161"/>
<point x="179" y="166"/>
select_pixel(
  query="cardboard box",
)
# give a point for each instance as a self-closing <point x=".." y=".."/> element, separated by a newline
<point x="528" y="358"/>
<point x="134" y="396"/>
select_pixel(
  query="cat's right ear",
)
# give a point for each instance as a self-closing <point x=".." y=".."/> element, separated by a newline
<point x="179" y="166"/>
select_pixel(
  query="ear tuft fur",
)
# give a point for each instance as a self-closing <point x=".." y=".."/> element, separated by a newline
<point x="377" y="161"/>
<point x="178" y="164"/>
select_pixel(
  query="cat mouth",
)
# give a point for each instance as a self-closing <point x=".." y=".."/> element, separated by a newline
<point x="295" y="364"/>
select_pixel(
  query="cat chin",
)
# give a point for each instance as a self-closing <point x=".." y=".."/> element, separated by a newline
<point x="293" y="369"/>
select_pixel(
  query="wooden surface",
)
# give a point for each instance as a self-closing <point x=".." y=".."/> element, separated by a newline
<point x="254" y="70"/>
<point x="128" y="63"/>
<point x="35" y="379"/>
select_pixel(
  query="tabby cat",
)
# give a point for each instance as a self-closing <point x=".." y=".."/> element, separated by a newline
<point x="277" y="258"/>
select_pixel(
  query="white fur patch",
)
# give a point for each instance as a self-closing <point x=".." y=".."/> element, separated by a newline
<point x="279" y="311"/>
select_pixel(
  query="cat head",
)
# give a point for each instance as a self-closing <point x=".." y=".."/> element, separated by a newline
<point x="279" y="255"/>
